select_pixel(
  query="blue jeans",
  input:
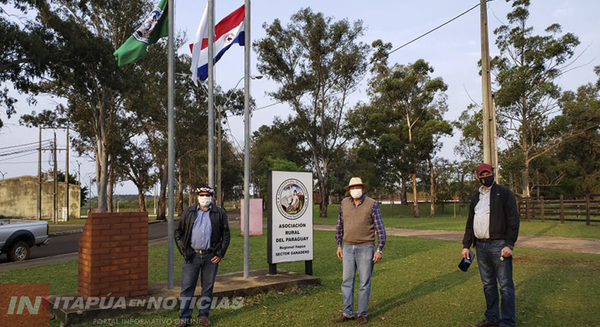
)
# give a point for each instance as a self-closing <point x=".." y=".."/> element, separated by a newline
<point x="494" y="271"/>
<point x="357" y="257"/>
<point x="200" y="265"/>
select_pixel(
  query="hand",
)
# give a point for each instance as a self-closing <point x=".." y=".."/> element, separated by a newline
<point x="506" y="252"/>
<point x="340" y="253"/>
<point x="465" y="254"/>
<point x="215" y="259"/>
<point x="377" y="256"/>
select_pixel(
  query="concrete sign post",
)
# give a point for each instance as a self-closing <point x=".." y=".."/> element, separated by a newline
<point x="290" y="221"/>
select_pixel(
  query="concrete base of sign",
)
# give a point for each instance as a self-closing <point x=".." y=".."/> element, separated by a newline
<point x="161" y="299"/>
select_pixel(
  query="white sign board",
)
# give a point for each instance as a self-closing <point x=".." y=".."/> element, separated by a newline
<point x="290" y="226"/>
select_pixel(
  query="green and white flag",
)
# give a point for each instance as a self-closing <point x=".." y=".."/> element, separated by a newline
<point x="154" y="27"/>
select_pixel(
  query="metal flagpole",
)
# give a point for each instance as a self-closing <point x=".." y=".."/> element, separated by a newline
<point x="247" y="42"/>
<point x="211" y="112"/>
<point x="171" y="143"/>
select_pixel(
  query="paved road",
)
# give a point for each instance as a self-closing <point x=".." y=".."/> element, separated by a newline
<point x="68" y="242"/>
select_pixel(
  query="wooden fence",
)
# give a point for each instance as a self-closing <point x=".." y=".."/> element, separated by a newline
<point x="564" y="208"/>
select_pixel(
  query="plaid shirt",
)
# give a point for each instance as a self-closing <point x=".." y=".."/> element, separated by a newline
<point x="377" y="220"/>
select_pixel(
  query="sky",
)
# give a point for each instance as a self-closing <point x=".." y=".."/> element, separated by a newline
<point x="453" y="51"/>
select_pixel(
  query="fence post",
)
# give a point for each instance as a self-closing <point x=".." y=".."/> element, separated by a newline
<point x="542" y="208"/>
<point x="587" y="209"/>
<point x="562" y="209"/>
<point x="527" y="208"/>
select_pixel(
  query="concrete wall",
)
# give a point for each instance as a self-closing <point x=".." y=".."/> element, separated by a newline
<point x="18" y="198"/>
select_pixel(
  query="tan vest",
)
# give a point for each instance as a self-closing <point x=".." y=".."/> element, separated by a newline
<point x="359" y="227"/>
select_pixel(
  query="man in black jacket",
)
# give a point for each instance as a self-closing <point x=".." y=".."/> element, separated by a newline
<point x="202" y="237"/>
<point x="493" y="227"/>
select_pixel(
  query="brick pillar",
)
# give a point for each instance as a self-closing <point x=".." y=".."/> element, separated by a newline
<point x="113" y="255"/>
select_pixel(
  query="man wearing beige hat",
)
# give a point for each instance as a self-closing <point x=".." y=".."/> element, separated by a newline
<point x="358" y="222"/>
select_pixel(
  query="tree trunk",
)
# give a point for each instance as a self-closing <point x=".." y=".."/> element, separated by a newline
<point x="102" y="117"/>
<point x="403" y="191"/>
<point x="141" y="200"/>
<point x="163" y="171"/>
<point x="324" y="199"/>
<point x="323" y="186"/>
<point x="179" y="188"/>
<point x="431" y="188"/>
<point x="415" y="195"/>
<point x="111" y="188"/>
<point x="101" y="159"/>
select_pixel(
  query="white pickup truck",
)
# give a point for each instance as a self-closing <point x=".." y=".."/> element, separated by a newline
<point x="17" y="236"/>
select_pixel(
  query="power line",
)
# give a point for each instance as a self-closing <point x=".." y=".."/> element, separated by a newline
<point x="267" y="106"/>
<point x="25" y="144"/>
<point x="23" y="150"/>
<point x="23" y="155"/>
<point x="433" y="30"/>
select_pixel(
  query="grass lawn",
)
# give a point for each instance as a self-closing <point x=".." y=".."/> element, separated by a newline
<point x="400" y="216"/>
<point x="416" y="284"/>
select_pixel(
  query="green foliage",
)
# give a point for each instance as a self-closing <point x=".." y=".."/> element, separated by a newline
<point x="400" y="130"/>
<point x="526" y="71"/>
<point x="317" y="63"/>
<point x="276" y="143"/>
<point x="417" y="282"/>
<point x="275" y="165"/>
<point x="582" y="110"/>
<point x="29" y="51"/>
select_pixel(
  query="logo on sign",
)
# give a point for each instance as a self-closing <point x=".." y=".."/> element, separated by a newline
<point x="292" y="197"/>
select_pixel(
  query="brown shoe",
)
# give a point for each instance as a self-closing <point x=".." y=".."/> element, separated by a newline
<point x="182" y="323"/>
<point x="343" y="318"/>
<point x="483" y="323"/>
<point x="205" y="322"/>
<point x="362" y="319"/>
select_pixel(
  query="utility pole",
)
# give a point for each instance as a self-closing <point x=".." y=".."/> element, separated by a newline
<point x="489" y="119"/>
<point x="67" y="178"/>
<point x="55" y="197"/>
<point x="39" y="195"/>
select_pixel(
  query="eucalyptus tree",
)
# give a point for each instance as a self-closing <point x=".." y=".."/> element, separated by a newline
<point x="526" y="71"/>
<point x="379" y="148"/>
<point x="87" y="33"/>
<point x="318" y="63"/>
<point x="29" y="51"/>
<point x="582" y="109"/>
<point x="413" y="104"/>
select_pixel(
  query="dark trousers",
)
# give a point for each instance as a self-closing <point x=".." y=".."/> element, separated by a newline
<point x="199" y="266"/>
<point x="496" y="272"/>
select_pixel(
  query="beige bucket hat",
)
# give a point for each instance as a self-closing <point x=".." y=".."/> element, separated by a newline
<point x="355" y="181"/>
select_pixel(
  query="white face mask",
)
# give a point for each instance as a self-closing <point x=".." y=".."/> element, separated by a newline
<point x="356" y="193"/>
<point x="204" y="201"/>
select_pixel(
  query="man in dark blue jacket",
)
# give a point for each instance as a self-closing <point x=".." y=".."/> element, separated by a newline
<point x="493" y="227"/>
<point x="202" y="237"/>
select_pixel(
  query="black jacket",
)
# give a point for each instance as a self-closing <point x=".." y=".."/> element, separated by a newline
<point x="504" y="217"/>
<point x="220" y="236"/>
